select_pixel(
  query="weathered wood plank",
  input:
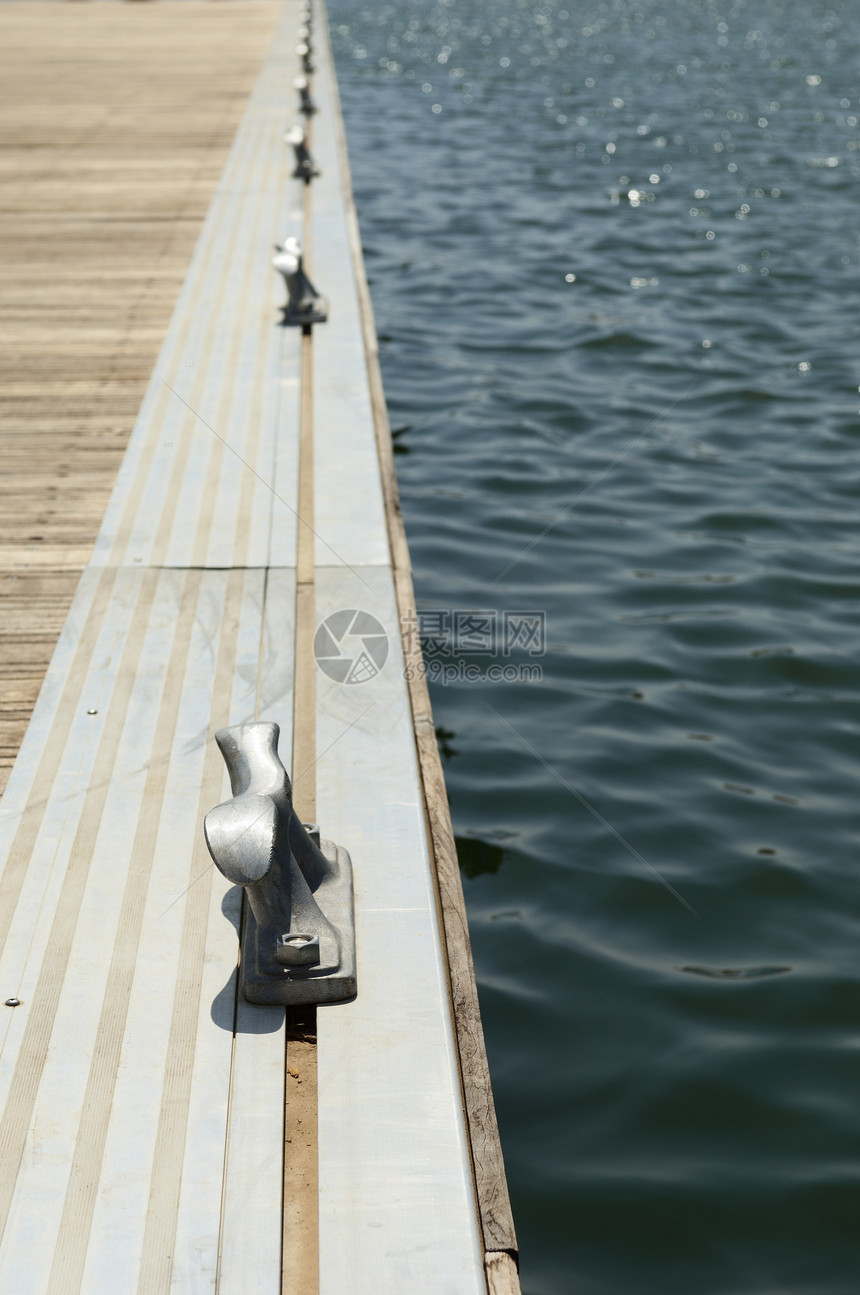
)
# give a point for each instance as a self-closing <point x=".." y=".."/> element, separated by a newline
<point x="502" y="1276"/>
<point x="114" y="141"/>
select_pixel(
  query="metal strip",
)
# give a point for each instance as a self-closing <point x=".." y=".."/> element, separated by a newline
<point x="171" y="442"/>
<point x="40" y="1017"/>
<point x="50" y="1145"/>
<point x="216" y="1053"/>
<point x="140" y="482"/>
<point x="119" y="1216"/>
<point x="304" y="721"/>
<point x="245" y="329"/>
<point x="21" y="849"/>
<point x="150" y="1067"/>
<point x="348" y="503"/>
<point x="195" y="468"/>
<point x="253" y="1173"/>
<point x="499" y="1234"/>
<point x="396" y="1191"/>
<point x="170" y="1143"/>
<point x="26" y="942"/>
<point x="74" y="1230"/>
<point x="396" y="1187"/>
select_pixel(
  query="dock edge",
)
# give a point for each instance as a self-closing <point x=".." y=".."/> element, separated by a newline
<point x="488" y="1169"/>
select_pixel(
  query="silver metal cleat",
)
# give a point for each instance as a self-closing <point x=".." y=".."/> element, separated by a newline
<point x="298" y="926"/>
<point x="306" y="168"/>
<point x="306" y="103"/>
<point x="304" y="304"/>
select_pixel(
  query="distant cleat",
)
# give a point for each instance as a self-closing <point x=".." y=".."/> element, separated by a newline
<point x="306" y="103"/>
<point x="305" y="167"/>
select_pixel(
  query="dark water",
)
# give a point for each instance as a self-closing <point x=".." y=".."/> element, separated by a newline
<point x="659" y="838"/>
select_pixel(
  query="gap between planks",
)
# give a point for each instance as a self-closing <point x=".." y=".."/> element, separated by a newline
<point x="300" y="1254"/>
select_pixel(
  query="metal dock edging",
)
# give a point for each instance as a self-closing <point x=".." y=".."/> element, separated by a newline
<point x="499" y="1234"/>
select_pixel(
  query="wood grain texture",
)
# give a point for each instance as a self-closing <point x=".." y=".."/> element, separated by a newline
<point x="300" y="1268"/>
<point x="491" y="1186"/>
<point x="502" y="1276"/>
<point x="114" y="141"/>
<point x="301" y="1163"/>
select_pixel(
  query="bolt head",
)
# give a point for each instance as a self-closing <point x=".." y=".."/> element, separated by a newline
<point x="313" y="832"/>
<point x="297" y="949"/>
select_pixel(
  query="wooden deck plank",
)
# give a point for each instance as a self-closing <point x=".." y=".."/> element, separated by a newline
<point x="114" y="142"/>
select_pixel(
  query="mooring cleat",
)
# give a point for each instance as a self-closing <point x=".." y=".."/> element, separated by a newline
<point x="298" y="926"/>
<point x="306" y="168"/>
<point x="304" y="304"/>
<point x="306" y="103"/>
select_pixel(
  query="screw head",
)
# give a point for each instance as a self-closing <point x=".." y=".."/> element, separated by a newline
<point x="13" y="1002"/>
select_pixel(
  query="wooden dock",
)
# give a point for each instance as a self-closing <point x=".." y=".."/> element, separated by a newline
<point x="159" y="1133"/>
<point x="114" y="140"/>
